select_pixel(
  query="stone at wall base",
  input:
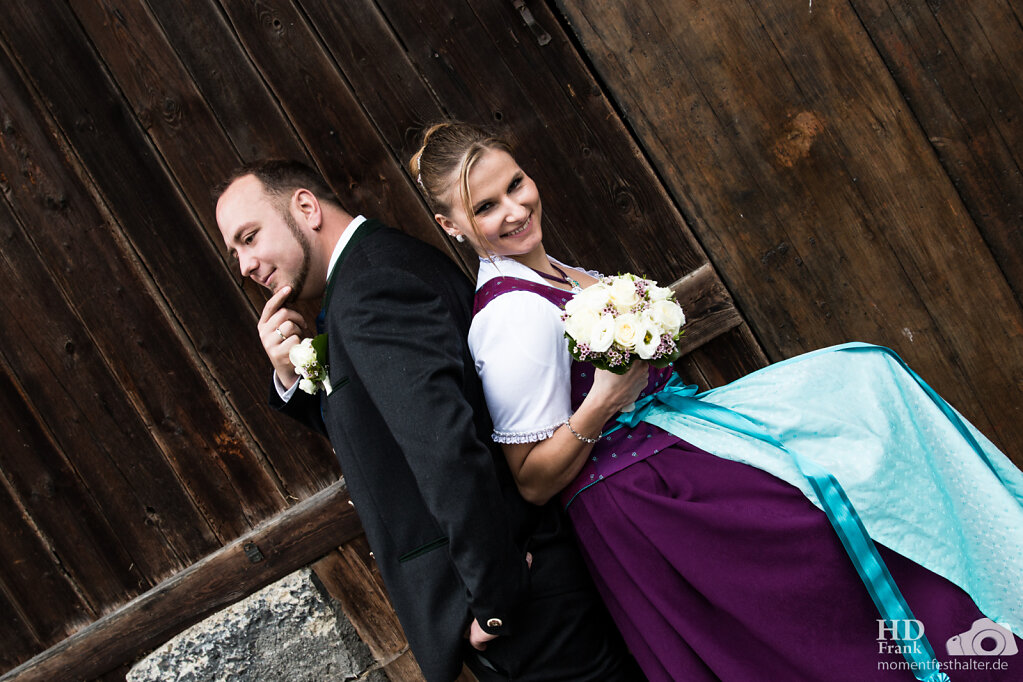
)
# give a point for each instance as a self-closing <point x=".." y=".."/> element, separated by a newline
<point x="291" y="631"/>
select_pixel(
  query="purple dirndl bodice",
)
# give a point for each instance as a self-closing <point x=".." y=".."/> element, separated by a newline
<point x="616" y="450"/>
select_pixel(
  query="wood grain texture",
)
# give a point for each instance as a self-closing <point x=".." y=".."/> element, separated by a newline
<point x="327" y="116"/>
<point x="957" y="66"/>
<point x="100" y="319"/>
<point x="602" y="206"/>
<point x="351" y="578"/>
<point x="813" y="189"/>
<point x="295" y="538"/>
<point x="802" y="174"/>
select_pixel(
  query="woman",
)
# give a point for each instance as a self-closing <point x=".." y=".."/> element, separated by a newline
<point x="720" y="566"/>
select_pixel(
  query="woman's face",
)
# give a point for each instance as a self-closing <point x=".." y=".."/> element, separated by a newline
<point x="505" y="203"/>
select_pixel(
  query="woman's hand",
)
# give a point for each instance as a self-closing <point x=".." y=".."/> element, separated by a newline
<point x="544" y="468"/>
<point x="616" y="392"/>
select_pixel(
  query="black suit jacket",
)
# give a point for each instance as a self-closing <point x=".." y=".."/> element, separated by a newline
<point x="410" y="428"/>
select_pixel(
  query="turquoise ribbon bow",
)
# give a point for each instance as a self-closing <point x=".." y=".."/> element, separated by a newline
<point x="837" y="506"/>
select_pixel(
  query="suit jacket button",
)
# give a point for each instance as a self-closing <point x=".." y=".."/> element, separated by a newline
<point x="495" y="623"/>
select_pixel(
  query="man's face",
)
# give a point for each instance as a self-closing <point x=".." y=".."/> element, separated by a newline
<point x="269" y="245"/>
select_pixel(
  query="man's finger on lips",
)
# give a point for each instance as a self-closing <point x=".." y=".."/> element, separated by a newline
<point x="274" y="303"/>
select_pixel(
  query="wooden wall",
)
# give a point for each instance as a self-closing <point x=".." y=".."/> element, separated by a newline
<point x="852" y="168"/>
<point x="807" y="173"/>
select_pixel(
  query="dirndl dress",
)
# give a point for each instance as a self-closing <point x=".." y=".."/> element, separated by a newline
<point x="715" y="569"/>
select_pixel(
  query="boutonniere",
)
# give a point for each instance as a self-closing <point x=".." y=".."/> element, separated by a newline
<point x="309" y="358"/>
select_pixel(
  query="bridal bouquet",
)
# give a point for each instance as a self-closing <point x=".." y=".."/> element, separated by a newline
<point x="307" y="359"/>
<point x="622" y="318"/>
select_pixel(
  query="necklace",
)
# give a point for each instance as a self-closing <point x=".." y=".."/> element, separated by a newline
<point x="564" y="279"/>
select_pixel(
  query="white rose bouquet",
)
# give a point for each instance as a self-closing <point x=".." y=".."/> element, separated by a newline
<point x="307" y="357"/>
<point x="622" y="318"/>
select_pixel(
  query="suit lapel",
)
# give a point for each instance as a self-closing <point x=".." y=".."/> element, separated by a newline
<point x="361" y="232"/>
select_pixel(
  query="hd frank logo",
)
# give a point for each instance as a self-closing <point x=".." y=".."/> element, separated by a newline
<point x="984" y="638"/>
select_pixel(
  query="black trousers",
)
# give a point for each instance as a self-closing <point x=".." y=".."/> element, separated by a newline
<point x="563" y="631"/>
<point x="624" y="669"/>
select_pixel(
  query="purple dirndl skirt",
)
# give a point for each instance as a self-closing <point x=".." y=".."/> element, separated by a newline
<point x="715" y="570"/>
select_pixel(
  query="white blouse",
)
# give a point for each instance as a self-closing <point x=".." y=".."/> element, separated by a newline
<point x="518" y="344"/>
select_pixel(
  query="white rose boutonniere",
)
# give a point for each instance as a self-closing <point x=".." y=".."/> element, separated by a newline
<point x="622" y="318"/>
<point x="309" y="358"/>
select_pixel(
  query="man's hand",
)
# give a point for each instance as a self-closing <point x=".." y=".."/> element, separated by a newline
<point x="280" y="330"/>
<point x="477" y="637"/>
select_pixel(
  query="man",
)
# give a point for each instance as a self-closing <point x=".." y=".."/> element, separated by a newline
<point x="406" y="416"/>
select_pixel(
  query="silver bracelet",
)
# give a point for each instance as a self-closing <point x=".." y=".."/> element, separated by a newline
<point x="578" y="435"/>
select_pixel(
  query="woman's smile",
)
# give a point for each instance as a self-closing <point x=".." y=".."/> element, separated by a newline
<point x="519" y="230"/>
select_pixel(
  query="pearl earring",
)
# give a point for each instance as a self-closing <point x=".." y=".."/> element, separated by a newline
<point x="459" y="238"/>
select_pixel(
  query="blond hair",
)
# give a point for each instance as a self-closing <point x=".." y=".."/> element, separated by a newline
<point x="449" y="146"/>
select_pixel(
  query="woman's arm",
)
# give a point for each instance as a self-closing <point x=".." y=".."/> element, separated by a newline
<point x="544" y="468"/>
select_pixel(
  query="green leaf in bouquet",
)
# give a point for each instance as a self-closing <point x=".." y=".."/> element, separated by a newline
<point x="320" y="346"/>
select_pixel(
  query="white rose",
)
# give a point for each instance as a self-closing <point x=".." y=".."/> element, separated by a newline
<point x="581" y="323"/>
<point x="649" y="337"/>
<point x="591" y="298"/>
<point x="623" y="294"/>
<point x="302" y="354"/>
<point x="603" y="334"/>
<point x="308" y="386"/>
<point x="668" y="316"/>
<point x="627" y="330"/>
<point x="657" y="293"/>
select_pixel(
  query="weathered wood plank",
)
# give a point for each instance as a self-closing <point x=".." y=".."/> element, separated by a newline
<point x="707" y="306"/>
<point x="15" y="633"/>
<point x="327" y="116"/>
<point x="113" y="309"/>
<point x="129" y="40"/>
<point x="162" y="96"/>
<point x="373" y="61"/>
<point x="42" y="603"/>
<point x="602" y="206"/>
<point x="813" y="191"/>
<point x="727" y="357"/>
<point x="296" y="537"/>
<point x="76" y="396"/>
<point x="198" y="33"/>
<point x="349" y="578"/>
<point x="66" y="559"/>
<point x="183" y="265"/>
<point x="976" y="137"/>
<point x="920" y="217"/>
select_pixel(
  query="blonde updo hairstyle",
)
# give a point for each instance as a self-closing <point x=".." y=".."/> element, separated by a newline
<point x="449" y="147"/>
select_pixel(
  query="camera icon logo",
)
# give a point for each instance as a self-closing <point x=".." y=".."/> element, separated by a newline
<point x="984" y="638"/>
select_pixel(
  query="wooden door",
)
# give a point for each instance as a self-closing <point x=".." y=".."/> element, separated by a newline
<point x="803" y="173"/>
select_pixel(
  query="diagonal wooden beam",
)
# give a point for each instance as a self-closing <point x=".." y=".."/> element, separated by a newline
<point x="292" y="539"/>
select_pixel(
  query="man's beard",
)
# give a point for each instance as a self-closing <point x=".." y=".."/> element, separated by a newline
<point x="303" y="272"/>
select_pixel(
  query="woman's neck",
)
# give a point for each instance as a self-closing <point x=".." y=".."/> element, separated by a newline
<point x="536" y="259"/>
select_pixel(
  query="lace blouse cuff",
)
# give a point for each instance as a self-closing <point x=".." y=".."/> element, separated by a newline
<point x="517" y="437"/>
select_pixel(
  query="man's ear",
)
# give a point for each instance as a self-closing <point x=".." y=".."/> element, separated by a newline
<point x="308" y="206"/>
